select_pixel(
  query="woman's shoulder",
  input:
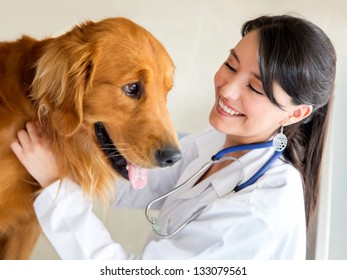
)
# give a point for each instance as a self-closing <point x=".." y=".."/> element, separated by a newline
<point x="281" y="175"/>
<point x="280" y="196"/>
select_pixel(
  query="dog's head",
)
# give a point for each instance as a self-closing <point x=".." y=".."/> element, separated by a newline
<point x="111" y="77"/>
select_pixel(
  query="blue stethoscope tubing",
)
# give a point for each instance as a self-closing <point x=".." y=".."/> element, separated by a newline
<point x="246" y="147"/>
<point x="215" y="158"/>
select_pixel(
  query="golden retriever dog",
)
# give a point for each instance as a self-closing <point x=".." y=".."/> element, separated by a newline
<point x="100" y="92"/>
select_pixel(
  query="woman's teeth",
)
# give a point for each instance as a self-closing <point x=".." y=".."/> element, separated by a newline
<point x="228" y="110"/>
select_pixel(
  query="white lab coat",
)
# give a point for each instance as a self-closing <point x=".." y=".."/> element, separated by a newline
<point x="264" y="221"/>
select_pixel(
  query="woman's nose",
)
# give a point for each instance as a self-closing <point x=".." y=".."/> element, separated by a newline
<point x="230" y="90"/>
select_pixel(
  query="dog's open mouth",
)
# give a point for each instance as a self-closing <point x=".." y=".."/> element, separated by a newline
<point x="136" y="175"/>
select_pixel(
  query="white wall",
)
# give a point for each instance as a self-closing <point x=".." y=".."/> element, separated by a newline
<point x="198" y="35"/>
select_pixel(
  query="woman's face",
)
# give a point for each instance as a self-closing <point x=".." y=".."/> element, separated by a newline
<point x="242" y="110"/>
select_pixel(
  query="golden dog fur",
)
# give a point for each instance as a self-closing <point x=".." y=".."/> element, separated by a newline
<point x="69" y="83"/>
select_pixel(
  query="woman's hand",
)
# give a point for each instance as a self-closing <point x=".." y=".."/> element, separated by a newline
<point x="33" y="150"/>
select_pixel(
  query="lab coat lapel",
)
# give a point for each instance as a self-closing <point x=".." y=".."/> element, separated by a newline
<point x="187" y="191"/>
<point x="250" y="164"/>
<point x="205" y="152"/>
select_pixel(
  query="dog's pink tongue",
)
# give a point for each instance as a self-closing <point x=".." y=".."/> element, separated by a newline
<point x="137" y="176"/>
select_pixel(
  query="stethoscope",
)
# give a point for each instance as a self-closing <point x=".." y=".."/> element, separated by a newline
<point x="216" y="158"/>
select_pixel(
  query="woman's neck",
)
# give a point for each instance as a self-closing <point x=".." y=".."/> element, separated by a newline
<point x="231" y="141"/>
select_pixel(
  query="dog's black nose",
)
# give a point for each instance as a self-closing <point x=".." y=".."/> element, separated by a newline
<point x="167" y="157"/>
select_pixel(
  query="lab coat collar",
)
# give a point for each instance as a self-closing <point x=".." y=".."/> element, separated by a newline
<point x="205" y="147"/>
<point x="251" y="162"/>
<point x="210" y="144"/>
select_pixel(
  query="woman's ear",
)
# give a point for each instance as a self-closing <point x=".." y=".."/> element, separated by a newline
<point x="299" y="113"/>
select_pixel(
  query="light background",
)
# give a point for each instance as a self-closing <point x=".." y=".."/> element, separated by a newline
<point x="198" y="35"/>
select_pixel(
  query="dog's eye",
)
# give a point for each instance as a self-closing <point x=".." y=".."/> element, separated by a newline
<point x="132" y="90"/>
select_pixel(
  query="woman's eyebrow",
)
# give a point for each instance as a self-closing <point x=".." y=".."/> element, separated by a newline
<point x="234" y="54"/>
<point x="257" y="76"/>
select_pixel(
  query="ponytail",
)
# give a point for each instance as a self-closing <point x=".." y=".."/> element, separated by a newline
<point x="305" y="149"/>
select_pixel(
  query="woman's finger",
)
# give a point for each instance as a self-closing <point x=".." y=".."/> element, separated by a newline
<point x="34" y="131"/>
<point x="17" y="148"/>
<point x="24" y="140"/>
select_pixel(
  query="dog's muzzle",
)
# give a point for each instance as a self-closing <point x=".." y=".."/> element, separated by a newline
<point x="136" y="175"/>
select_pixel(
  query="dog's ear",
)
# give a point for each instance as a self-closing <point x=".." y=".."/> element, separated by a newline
<point x="63" y="74"/>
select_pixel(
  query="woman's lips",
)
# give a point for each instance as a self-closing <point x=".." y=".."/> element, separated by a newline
<point x="225" y="110"/>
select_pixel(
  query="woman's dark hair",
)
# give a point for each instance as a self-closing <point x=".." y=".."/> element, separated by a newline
<point x="299" y="56"/>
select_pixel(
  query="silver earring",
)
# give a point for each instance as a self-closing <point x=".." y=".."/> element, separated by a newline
<point x="280" y="141"/>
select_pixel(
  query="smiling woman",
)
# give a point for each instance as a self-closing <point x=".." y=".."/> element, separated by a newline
<point x="242" y="108"/>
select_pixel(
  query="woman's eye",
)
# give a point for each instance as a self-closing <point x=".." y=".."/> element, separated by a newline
<point x="256" y="91"/>
<point x="132" y="90"/>
<point x="229" y="66"/>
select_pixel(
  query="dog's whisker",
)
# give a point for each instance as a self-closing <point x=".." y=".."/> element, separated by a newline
<point x="118" y="144"/>
<point x="115" y="149"/>
<point x="115" y="154"/>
